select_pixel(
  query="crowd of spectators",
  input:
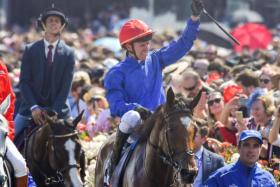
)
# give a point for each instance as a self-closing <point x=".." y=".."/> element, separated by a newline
<point x="242" y="90"/>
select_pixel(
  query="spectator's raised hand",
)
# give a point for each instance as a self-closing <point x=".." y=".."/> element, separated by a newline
<point x="199" y="110"/>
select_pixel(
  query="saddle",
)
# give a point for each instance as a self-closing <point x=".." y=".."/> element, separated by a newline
<point x="120" y="168"/>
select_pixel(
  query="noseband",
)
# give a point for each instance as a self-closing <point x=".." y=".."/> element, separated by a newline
<point x="57" y="178"/>
<point x="169" y="157"/>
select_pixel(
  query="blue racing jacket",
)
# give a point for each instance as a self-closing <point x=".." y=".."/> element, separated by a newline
<point x="239" y="175"/>
<point x="132" y="83"/>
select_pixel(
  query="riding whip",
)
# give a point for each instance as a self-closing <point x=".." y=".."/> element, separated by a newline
<point x="216" y="22"/>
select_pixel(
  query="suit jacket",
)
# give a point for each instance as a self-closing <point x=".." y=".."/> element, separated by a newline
<point x="33" y="74"/>
<point x="210" y="163"/>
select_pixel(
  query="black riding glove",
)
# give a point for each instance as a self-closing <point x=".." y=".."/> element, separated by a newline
<point x="197" y="7"/>
<point x="144" y="112"/>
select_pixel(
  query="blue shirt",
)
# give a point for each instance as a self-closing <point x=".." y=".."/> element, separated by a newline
<point x="198" y="159"/>
<point x="239" y="175"/>
<point x="131" y="83"/>
<point x="74" y="110"/>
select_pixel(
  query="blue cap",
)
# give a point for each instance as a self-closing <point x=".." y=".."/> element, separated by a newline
<point x="250" y="134"/>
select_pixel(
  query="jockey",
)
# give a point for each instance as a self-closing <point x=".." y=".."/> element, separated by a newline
<point x="134" y="87"/>
<point x="5" y="90"/>
<point x="7" y="108"/>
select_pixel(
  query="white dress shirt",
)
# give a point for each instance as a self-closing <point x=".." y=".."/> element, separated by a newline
<point x="54" y="44"/>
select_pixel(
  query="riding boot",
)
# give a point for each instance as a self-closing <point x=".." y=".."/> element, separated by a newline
<point x="116" y="153"/>
<point x="21" y="181"/>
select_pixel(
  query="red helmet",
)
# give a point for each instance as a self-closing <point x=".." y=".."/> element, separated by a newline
<point x="132" y="30"/>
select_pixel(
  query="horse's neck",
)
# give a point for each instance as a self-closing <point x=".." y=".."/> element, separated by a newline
<point x="158" y="172"/>
<point x="40" y="138"/>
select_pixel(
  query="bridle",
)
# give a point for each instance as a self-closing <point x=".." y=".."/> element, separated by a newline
<point x="168" y="158"/>
<point x="57" y="177"/>
<point x="69" y="135"/>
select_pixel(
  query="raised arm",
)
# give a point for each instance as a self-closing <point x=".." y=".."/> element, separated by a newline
<point x="177" y="49"/>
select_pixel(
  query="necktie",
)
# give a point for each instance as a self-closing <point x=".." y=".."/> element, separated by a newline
<point x="49" y="56"/>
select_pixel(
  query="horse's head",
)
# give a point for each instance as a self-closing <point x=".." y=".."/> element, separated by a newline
<point x="176" y="135"/>
<point x="64" y="150"/>
<point x="3" y="135"/>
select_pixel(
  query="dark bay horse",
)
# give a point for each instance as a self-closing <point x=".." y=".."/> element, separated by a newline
<point x="53" y="152"/>
<point x="164" y="155"/>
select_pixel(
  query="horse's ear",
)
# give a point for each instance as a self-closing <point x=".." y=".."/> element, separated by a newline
<point x="170" y="97"/>
<point x="50" y="116"/>
<point x="5" y="105"/>
<point x="78" y="119"/>
<point x="195" y="100"/>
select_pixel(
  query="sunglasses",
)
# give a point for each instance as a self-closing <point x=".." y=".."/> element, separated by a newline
<point x="211" y="102"/>
<point x="190" y="89"/>
<point x="265" y="81"/>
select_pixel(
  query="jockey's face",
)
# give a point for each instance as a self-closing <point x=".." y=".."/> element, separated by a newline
<point x="141" y="49"/>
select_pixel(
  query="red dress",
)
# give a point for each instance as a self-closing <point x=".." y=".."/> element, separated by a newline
<point x="5" y="90"/>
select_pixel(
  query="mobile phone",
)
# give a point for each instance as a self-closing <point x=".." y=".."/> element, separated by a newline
<point x="239" y="116"/>
<point x="242" y="101"/>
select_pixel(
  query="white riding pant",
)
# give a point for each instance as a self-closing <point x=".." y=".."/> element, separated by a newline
<point x="16" y="159"/>
<point x="129" y="121"/>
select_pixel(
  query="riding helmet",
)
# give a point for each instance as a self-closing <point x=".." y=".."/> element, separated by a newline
<point x="133" y="30"/>
<point x="51" y="12"/>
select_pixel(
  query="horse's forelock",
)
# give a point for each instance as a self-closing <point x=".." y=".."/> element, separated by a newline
<point x="182" y="104"/>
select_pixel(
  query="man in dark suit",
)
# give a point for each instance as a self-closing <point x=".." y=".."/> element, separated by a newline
<point x="207" y="161"/>
<point x="46" y="72"/>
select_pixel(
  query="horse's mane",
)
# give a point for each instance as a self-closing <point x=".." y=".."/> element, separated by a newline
<point x="145" y="130"/>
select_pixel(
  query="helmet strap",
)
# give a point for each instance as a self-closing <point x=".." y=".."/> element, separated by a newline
<point x="44" y="26"/>
<point x="133" y="52"/>
<point x="62" y="27"/>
